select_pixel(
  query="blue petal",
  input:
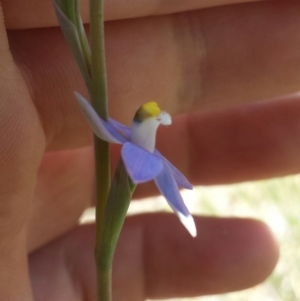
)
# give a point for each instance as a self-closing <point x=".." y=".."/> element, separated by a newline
<point x="141" y="165"/>
<point x="102" y="129"/>
<point x="167" y="186"/>
<point x="180" y="179"/>
<point x="120" y="127"/>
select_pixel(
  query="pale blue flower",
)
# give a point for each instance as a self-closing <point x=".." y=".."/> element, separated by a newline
<point x="142" y="161"/>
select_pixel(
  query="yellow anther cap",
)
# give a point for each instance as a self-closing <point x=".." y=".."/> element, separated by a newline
<point x="147" y="110"/>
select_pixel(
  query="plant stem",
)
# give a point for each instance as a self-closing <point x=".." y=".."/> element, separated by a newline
<point x="115" y="212"/>
<point x="104" y="277"/>
<point x="98" y="96"/>
<point x="98" y="70"/>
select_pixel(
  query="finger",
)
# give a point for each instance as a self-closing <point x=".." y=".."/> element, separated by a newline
<point x="156" y="258"/>
<point x="244" y="143"/>
<point x="212" y="263"/>
<point x="34" y="14"/>
<point x="185" y="62"/>
<point x="21" y="147"/>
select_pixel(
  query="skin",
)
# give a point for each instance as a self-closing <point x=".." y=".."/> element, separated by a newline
<point x="226" y="72"/>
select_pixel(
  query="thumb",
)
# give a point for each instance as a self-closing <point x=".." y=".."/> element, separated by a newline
<point x="21" y="149"/>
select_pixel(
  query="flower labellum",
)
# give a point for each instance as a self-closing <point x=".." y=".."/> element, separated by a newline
<point x="145" y="123"/>
<point x="142" y="161"/>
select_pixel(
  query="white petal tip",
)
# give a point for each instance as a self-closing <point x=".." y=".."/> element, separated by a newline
<point x="189" y="223"/>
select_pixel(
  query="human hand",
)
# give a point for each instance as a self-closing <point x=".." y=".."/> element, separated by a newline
<point x="201" y="59"/>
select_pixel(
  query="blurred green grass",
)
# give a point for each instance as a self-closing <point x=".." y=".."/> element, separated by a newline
<point x="276" y="202"/>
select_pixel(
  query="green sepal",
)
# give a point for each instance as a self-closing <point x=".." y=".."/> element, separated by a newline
<point x="68" y="15"/>
<point x="117" y="204"/>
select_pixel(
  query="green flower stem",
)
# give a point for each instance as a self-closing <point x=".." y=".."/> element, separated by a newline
<point x="115" y="212"/>
<point x="98" y="94"/>
<point x="98" y="70"/>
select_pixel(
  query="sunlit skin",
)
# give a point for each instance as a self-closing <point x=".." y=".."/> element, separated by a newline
<point x="212" y="59"/>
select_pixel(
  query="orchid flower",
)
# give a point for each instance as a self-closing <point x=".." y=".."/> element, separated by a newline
<point x="142" y="161"/>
